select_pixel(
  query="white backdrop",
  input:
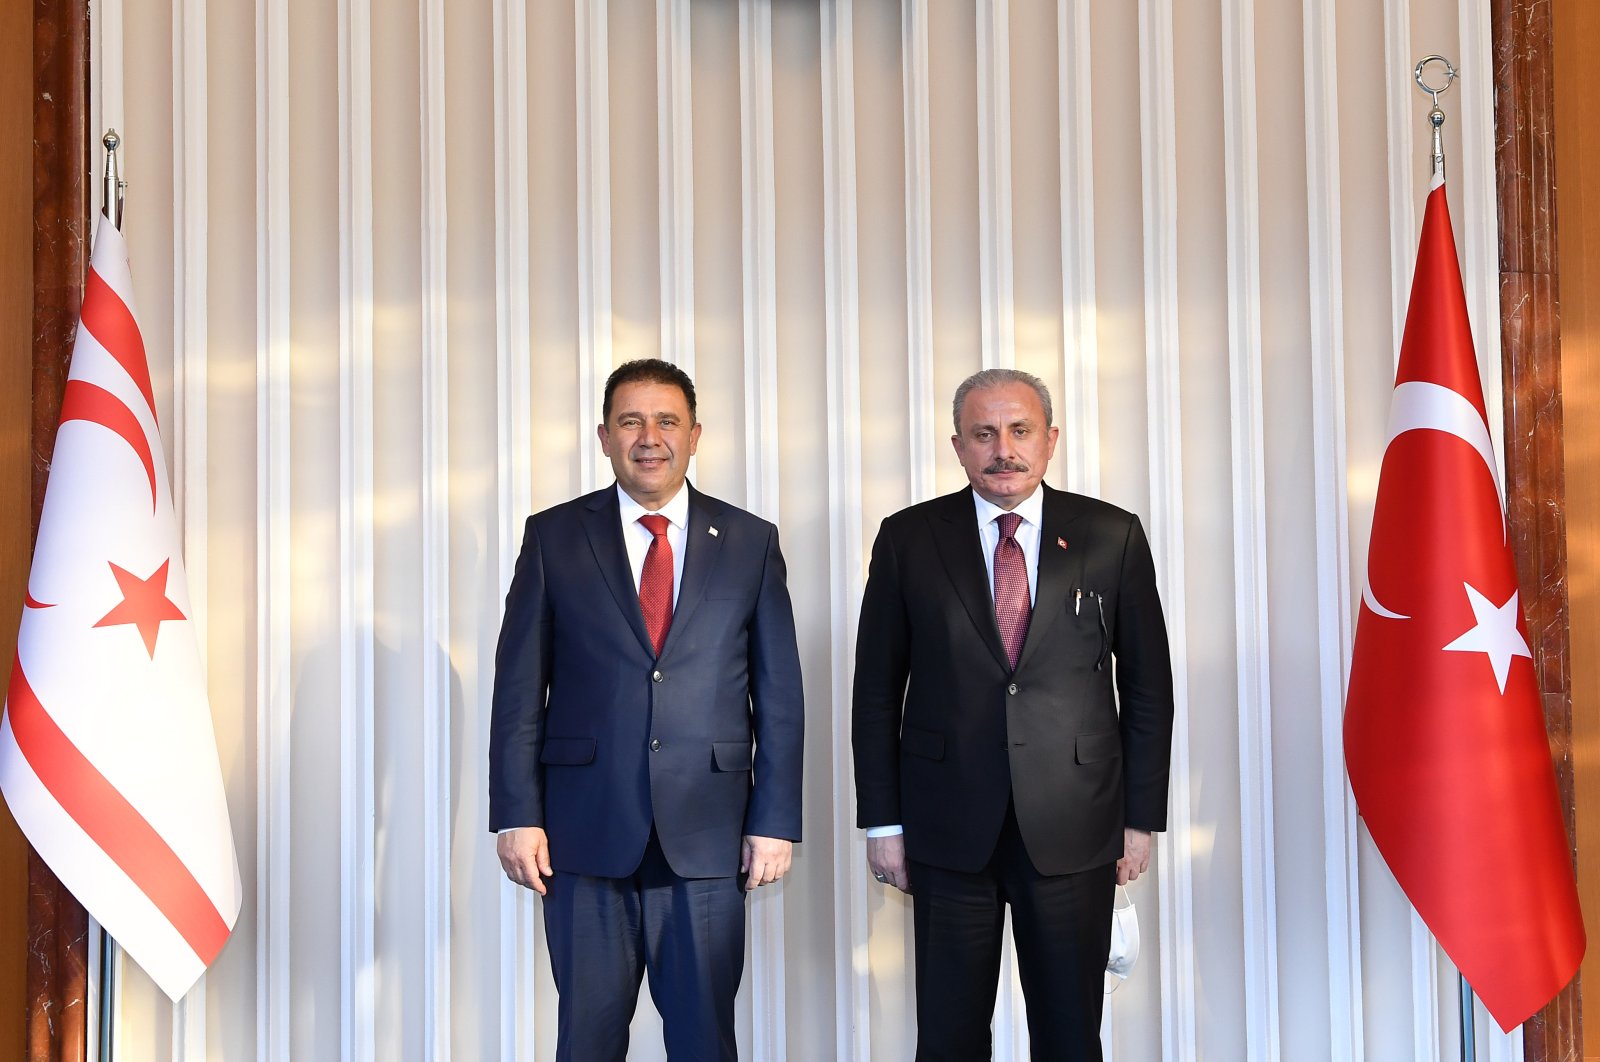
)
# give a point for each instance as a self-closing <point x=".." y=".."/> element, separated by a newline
<point x="388" y="251"/>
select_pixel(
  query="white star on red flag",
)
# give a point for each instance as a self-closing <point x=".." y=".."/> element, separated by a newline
<point x="1495" y="634"/>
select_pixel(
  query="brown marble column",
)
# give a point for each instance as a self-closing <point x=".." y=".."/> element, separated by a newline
<point x="57" y="926"/>
<point x="1530" y="334"/>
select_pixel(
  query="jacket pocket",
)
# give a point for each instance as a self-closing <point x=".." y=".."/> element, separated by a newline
<point x="731" y="755"/>
<point x="1097" y="748"/>
<point x="567" y="752"/>
<point x="924" y="743"/>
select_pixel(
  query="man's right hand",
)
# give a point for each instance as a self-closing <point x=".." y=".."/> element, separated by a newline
<point x="525" y="855"/>
<point x="887" y="858"/>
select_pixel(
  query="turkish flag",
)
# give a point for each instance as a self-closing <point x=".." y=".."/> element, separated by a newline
<point x="107" y="756"/>
<point x="1443" y="729"/>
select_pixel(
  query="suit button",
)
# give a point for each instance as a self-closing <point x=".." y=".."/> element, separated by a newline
<point x="1012" y="689"/>
<point x="655" y="676"/>
<point x="655" y="744"/>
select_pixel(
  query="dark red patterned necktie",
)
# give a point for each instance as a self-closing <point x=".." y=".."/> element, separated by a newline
<point x="1011" y="608"/>
<point x="655" y="582"/>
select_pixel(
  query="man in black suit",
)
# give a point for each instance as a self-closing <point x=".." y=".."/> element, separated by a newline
<point x="645" y="745"/>
<point x="995" y="761"/>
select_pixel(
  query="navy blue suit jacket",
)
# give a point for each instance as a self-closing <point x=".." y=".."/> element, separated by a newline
<point x="594" y="738"/>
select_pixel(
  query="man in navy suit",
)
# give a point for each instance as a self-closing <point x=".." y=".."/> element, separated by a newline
<point x="645" y="745"/>
<point x="1000" y="758"/>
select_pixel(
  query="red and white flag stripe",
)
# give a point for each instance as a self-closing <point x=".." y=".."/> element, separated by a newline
<point x="108" y="759"/>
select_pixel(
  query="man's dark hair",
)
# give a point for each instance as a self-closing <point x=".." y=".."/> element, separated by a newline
<point x="649" y="370"/>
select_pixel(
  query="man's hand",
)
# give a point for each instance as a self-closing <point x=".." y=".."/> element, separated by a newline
<point x="764" y="859"/>
<point x="887" y="858"/>
<point x="525" y="855"/>
<point x="1135" y="855"/>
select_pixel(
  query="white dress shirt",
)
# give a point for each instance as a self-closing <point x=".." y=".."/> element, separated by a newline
<point x="637" y="537"/>
<point x="1031" y="509"/>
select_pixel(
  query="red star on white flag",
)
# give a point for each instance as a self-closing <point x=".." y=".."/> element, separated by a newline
<point x="144" y="604"/>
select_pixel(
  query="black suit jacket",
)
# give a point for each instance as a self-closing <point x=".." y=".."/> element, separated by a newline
<point x="944" y="734"/>
<point x="595" y="739"/>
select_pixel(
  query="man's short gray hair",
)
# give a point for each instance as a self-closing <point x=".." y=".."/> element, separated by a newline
<point x="982" y="381"/>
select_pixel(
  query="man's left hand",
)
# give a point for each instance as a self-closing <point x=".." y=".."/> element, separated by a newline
<point x="1135" y="855"/>
<point x="764" y="859"/>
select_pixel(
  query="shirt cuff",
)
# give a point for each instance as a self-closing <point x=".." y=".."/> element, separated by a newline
<point x="885" y="831"/>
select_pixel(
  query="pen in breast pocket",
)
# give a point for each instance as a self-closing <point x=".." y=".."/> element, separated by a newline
<point x="1077" y="603"/>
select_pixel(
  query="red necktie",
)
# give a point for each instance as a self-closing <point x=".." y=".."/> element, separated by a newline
<point x="655" y="582"/>
<point x="1011" y="608"/>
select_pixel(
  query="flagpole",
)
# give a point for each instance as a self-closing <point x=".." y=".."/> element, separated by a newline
<point x="115" y="186"/>
<point x="1469" y="1033"/>
<point x="108" y="986"/>
<point x="1469" y="1038"/>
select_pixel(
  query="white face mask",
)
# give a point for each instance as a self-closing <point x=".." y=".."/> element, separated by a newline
<point x="1124" y="943"/>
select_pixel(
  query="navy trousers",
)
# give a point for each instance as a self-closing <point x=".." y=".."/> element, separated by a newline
<point x="1062" y="928"/>
<point x="606" y="933"/>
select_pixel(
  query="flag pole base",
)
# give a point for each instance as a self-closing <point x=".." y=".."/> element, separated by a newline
<point x="108" y="995"/>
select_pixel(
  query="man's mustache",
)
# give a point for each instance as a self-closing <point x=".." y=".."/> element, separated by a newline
<point x="1005" y="466"/>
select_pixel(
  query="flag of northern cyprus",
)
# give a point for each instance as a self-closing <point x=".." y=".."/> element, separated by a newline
<point x="108" y="760"/>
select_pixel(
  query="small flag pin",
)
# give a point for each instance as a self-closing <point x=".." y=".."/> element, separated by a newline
<point x="1061" y="542"/>
<point x="713" y="532"/>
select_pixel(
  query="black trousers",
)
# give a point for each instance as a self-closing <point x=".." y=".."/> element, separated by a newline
<point x="1062" y="929"/>
<point x="605" y="933"/>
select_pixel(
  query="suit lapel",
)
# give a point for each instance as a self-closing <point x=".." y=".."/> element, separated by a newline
<point x="602" y="522"/>
<point x="702" y="542"/>
<point x="955" y="533"/>
<point x="1059" y="566"/>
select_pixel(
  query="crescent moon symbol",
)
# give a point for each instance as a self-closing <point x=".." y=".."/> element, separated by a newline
<point x="1419" y="406"/>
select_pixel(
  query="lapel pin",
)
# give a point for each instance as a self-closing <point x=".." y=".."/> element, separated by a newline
<point x="713" y="532"/>
<point x="1061" y="542"/>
